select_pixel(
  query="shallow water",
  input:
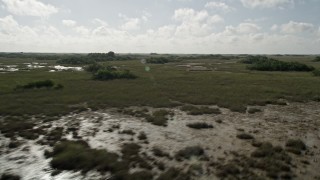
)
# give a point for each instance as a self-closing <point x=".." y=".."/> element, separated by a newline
<point x="275" y="124"/>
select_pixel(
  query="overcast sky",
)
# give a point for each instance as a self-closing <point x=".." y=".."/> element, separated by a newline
<point x="162" y="26"/>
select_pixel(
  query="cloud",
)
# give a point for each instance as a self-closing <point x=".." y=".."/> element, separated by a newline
<point x="69" y="23"/>
<point x="194" y="23"/>
<point x="266" y="3"/>
<point x="243" y="28"/>
<point x="220" y="6"/>
<point x="131" y="24"/>
<point x="274" y="27"/>
<point x="99" y="22"/>
<point x="297" y="27"/>
<point x="29" y="8"/>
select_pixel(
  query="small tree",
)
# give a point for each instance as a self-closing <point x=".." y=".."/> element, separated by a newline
<point x="111" y="54"/>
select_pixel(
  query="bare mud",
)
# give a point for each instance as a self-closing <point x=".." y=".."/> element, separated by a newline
<point x="103" y="129"/>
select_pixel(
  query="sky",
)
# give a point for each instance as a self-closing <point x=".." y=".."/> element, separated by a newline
<point x="161" y="26"/>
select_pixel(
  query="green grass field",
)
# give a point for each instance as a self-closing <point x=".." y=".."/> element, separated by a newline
<point x="229" y="85"/>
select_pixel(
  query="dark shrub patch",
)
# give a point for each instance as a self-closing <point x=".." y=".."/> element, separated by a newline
<point x="193" y="110"/>
<point x="245" y="136"/>
<point x="128" y="131"/>
<point x="16" y="126"/>
<point x="295" y="146"/>
<point x="253" y="110"/>
<point x="37" y="85"/>
<point x="263" y="63"/>
<point x="142" y="136"/>
<point x="160" y="153"/>
<point x="173" y="174"/>
<point x="188" y="152"/>
<point x="77" y="155"/>
<point x="110" y="75"/>
<point x="159" y="117"/>
<point x="228" y="170"/>
<point x="316" y="72"/>
<point x="199" y="125"/>
<point x="6" y="176"/>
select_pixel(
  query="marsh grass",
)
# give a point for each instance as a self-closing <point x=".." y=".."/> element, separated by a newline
<point x="193" y="110"/>
<point x="230" y="86"/>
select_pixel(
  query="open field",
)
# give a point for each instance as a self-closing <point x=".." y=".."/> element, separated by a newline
<point x="190" y="118"/>
<point x="229" y="85"/>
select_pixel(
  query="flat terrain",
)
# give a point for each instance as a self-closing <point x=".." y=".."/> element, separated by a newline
<point x="193" y="118"/>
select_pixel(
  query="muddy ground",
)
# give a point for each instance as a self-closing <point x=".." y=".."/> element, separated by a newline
<point x="235" y="148"/>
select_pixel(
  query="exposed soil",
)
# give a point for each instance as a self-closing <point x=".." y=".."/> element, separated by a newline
<point x="277" y="137"/>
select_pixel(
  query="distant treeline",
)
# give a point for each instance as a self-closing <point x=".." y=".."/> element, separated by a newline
<point x="212" y="56"/>
<point x="35" y="56"/>
<point x="263" y="63"/>
<point x="93" y="57"/>
<point x="161" y="60"/>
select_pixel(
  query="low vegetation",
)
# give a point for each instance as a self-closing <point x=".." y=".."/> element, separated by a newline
<point x="200" y="125"/>
<point x="245" y="136"/>
<point x="263" y="63"/>
<point x="48" y="84"/>
<point x="253" y="110"/>
<point x="189" y="152"/>
<point x="316" y="72"/>
<point x="111" y="75"/>
<point x="295" y="146"/>
<point x="265" y="161"/>
<point x="158" y="60"/>
<point x="173" y="174"/>
<point x="159" y="117"/>
<point x="7" y="176"/>
<point x="317" y="59"/>
<point x="231" y="86"/>
<point x="194" y="110"/>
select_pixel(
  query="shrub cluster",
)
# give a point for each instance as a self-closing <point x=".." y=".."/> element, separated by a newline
<point x="158" y="60"/>
<point x="92" y="58"/>
<point x="317" y="59"/>
<point x="262" y="63"/>
<point x="101" y="72"/>
<point x="112" y="74"/>
<point x="316" y="72"/>
<point x="40" y="84"/>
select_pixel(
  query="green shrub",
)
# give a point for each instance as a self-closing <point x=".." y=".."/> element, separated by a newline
<point x="37" y="85"/>
<point x="6" y="176"/>
<point x="316" y="72"/>
<point x="262" y="63"/>
<point x="317" y="59"/>
<point x="157" y="60"/>
<point x="245" y="136"/>
<point x="199" y="125"/>
<point x="77" y="155"/>
<point x="193" y="110"/>
<point x="111" y="75"/>
<point x="159" y="117"/>
<point x="295" y="146"/>
<point x="188" y="152"/>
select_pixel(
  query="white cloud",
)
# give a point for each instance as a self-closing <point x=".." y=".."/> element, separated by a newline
<point x="99" y="22"/>
<point x="243" y="28"/>
<point x="194" y="23"/>
<point x="131" y="24"/>
<point x="274" y="27"/>
<point x="69" y="23"/>
<point x="29" y="8"/>
<point x="297" y="27"/>
<point x="220" y="6"/>
<point x="266" y="3"/>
